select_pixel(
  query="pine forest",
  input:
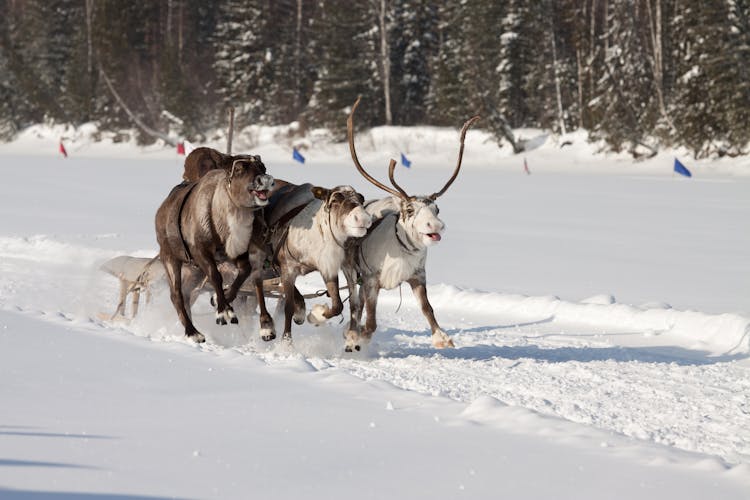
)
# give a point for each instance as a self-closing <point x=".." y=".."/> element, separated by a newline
<point x="637" y="74"/>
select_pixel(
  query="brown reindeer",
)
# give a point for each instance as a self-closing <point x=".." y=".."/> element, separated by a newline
<point x="395" y="249"/>
<point x="202" y="160"/>
<point x="212" y="220"/>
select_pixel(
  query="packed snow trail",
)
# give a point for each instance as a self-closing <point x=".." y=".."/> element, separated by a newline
<point x="675" y="378"/>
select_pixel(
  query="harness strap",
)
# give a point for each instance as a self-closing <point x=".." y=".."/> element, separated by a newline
<point x="188" y="256"/>
<point x="401" y="242"/>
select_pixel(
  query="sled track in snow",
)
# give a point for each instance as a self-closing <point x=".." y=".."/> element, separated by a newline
<point x="677" y="378"/>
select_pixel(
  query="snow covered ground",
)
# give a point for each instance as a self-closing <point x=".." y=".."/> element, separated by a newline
<point x="600" y="309"/>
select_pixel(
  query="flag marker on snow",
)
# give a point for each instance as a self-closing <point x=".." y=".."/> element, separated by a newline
<point x="297" y="156"/>
<point x="62" y="149"/>
<point x="181" y="148"/>
<point x="405" y="161"/>
<point x="681" y="169"/>
<point x="526" y="167"/>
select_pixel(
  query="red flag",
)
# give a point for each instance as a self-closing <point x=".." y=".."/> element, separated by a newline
<point x="526" y="167"/>
<point x="181" y="148"/>
<point x="62" y="150"/>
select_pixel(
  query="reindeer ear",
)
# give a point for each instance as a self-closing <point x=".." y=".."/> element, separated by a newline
<point x="321" y="193"/>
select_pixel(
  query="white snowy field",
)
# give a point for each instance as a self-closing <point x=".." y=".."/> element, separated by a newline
<point x="600" y="309"/>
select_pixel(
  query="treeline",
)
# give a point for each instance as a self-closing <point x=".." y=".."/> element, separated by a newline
<point x="636" y="73"/>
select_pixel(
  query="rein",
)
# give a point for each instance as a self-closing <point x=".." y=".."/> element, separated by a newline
<point x="330" y="227"/>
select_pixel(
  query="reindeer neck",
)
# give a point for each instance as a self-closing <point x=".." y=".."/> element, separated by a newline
<point x="329" y="230"/>
<point x="407" y="244"/>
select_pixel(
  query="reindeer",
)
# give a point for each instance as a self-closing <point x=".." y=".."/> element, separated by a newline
<point x="309" y="228"/>
<point x="210" y="221"/>
<point x="203" y="160"/>
<point x="395" y="249"/>
<point x="136" y="275"/>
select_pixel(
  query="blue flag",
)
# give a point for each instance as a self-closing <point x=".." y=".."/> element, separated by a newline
<point x="405" y="161"/>
<point x="680" y="168"/>
<point x="296" y="155"/>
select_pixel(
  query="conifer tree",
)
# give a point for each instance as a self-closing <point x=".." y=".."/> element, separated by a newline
<point x="347" y="67"/>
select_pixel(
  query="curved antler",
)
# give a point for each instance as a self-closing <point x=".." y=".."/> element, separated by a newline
<point x="466" y="126"/>
<point x="391" y="168"/>
<point x="350" y="136"/>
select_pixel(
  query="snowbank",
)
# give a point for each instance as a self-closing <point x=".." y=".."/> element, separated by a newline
<point x="719" y="334"/>
<point x="423" y="146"/>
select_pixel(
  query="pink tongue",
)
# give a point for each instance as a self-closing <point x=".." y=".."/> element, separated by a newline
<point x="261" y="194"/>
<point x="435" y="236"/>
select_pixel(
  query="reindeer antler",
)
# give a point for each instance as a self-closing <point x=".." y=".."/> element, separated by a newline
<point x="466" y="126"/>
<point x="391" y="169"/>
<point x="350" y="135"/>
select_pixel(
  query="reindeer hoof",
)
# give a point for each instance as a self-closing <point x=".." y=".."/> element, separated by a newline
<point x="317" y="315"/>
<point x="225" y="317"/>
<point x="267" y="334"/>
<point x="286" y="337"/>
<point x="441" y="343"/>
<point x="197" y="337"/>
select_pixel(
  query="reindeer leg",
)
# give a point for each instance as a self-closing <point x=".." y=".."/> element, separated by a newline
<point x="192" y="284"/>
<point x="224" y="312"/>
<point x="299" y="307"/>
<point x="136" y="300"/>
<point x="351" y="334"/>
<point x="124" y="287"/>
<point x="287" y="283"/>
<point x="369" y="295"/>
<point x="244" y="270"/>
<point x="267" y="329"/>
<point x="440" y="339"/>
<point x="320" y="312"/>
<point x="256" y="257"/>
<point x="173" y="268"/>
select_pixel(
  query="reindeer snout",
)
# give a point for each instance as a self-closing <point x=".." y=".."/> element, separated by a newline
<point x="363" y="219"/>
<point x="435" y="227"/>
<point x="265" y="181"/>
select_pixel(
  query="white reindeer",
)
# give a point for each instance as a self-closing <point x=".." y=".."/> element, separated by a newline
<point x="394" y="250"/>
<point x="311" y="235"/>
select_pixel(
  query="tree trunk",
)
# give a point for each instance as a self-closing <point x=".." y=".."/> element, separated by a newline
<point x="560" y="114"/>
<point x="90" y="57"/>
<point x="385" y="63"/>
<point x="298" y="60"/>
<point x="657" y="54"/>
<point x="579" y="66"/>
<point x="180" y="36"/>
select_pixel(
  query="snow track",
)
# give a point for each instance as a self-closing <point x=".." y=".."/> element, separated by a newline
<point x="676" y="378"/>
